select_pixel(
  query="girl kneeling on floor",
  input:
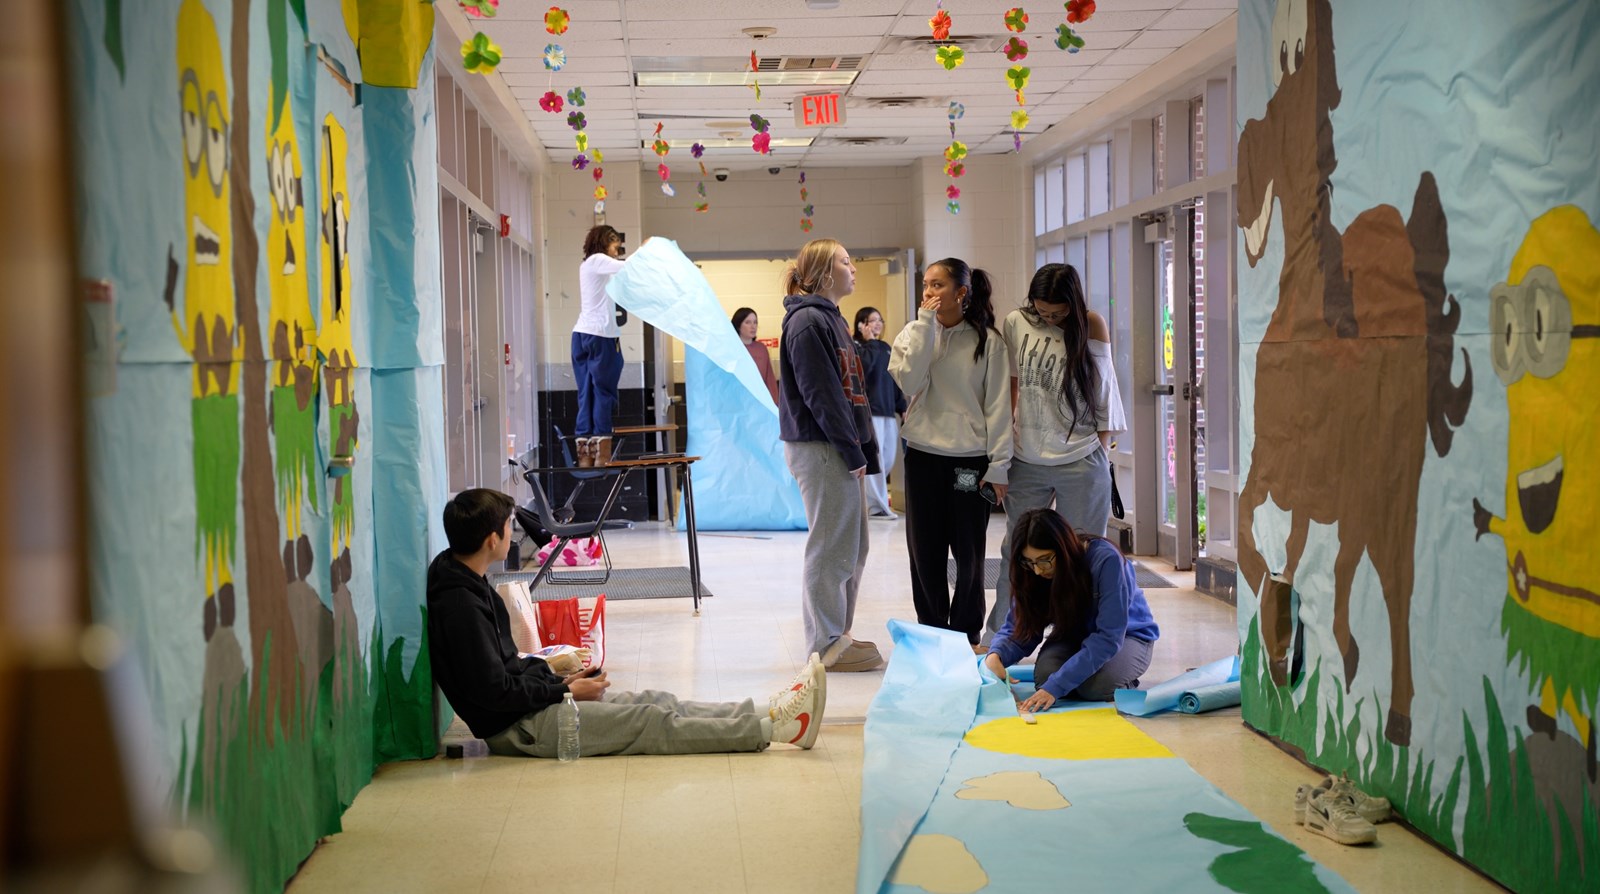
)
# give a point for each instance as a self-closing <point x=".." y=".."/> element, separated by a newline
<point x="1076" y="594"/>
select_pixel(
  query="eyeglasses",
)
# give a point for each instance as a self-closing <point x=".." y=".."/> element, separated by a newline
<point x="1040" y="565"/>
<point x="1052" y="317"/>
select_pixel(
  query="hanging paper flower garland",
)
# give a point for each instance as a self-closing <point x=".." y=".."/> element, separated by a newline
<point x="480" y="55"/>
<point x="550" y="102"/>
<point x="1016" y="50"/>
<point x="805" y="209"/>
<point x="956" y="151"/>
<point x="1078" y="12"/>
<point x="662" y="147"/>
<point x="479" y="9"/>
<point x="555" y="21"/>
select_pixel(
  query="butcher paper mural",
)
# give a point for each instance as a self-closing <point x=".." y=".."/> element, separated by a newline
<point x="1419" y="604"/>
<point x="222" y="163"/>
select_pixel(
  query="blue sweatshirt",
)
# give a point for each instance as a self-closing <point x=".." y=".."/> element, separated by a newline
<point x="883" y="394"/>
<point x="822" y="395"/>
<point x="1120" y="612"/>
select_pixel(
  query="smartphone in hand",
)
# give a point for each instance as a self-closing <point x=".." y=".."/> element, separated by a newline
<point x="988" y="494"/>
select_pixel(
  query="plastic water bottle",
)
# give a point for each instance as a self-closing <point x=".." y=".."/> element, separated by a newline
<point x="567" y="720"/>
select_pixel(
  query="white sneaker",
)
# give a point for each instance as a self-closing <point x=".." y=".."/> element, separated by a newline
<point x="1333" y="816"/>
<point x="1372" y="809"/>
<point x="812" y="666"/>
<point x="797" y="719"/>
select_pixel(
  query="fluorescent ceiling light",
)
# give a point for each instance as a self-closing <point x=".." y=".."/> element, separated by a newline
<point x="725" y="143"/>
<point x="744" y="78"/>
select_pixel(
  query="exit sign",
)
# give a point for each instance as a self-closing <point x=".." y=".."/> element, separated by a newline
<point x="819" y="110"/>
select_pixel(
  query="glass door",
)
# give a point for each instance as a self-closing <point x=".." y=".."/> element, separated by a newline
<point x="1176" y="461"/>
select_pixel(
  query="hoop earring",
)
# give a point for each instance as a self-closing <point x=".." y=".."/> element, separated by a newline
<point x="827" y="281"/>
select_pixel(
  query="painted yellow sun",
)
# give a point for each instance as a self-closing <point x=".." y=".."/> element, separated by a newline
<point x="1083" y="735"/>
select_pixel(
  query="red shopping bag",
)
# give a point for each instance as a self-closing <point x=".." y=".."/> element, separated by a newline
<point x="580" y="621"/>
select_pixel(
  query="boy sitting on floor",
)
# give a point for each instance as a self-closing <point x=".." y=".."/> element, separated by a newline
<point x="503" y="697"/>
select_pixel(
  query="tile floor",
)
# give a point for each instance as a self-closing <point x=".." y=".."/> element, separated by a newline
<point x="783" y="820"/>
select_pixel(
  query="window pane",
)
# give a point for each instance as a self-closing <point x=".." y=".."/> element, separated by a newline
<point x="1055" y="253"/>
<point x="1097" y="273"/>
<point x="1099" y="178"/>
<point x="1038" y="202"/>
<point x="1052" y="197"/>
<point x="1075" y="188"/>
<point x="1076" y="249"/>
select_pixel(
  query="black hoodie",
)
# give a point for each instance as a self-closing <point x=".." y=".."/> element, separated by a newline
<point x="823" y="393"/>
<point x="474" y="660"/>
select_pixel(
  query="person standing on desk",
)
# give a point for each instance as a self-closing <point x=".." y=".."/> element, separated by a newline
<point x="597" y="346"/>
<point x="825" y="423"/>
<point x="747" y="324"/>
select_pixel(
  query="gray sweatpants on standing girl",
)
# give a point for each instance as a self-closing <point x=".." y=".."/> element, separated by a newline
<point x="836" y="548"/>
<point x="1082" y="494"/>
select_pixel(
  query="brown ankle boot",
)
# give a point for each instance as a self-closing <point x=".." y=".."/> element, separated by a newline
<point x="585" y="452"/>
<point x="601" y="448"/>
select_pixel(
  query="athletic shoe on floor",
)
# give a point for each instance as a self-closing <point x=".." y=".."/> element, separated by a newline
<point x="812" y="667"/>
<point x="797" y="720"/>
<point x="1373" y="810"/>
<point x="1332" y="816"/>
<point x="851" y="656"/>
<point x="885" y="516"/>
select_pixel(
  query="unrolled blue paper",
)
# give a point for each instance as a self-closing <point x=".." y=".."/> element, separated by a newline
<point x="1209" y="698"/>
<point x="742" y="481"/>
<point x="1164" y="696"/>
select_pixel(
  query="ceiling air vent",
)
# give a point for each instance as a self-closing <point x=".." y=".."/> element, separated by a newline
<point x="902" y="102"/>
<point x="809" y="63"/>
<point x="972" y="43"/>
<point x="858" y="141"/>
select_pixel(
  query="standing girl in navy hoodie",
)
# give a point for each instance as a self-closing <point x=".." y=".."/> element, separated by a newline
<point x="951" y="363"/>
<point x="825" y="423"/>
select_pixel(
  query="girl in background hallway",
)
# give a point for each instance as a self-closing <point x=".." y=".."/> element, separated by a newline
<point x="951" y="363"/>
<point x="747" y="324"/>
<point x="1076" y="595"/>
<point x="826" y="426"/>
<point x="1067" y="408"/>
<point x="888" y="406"/>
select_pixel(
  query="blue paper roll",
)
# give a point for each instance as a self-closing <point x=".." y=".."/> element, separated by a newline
<point x="1209" y="698"/>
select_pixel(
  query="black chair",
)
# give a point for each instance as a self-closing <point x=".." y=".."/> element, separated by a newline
<point x="543" y="515"/>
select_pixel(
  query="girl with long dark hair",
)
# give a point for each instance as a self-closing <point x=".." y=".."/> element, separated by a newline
<point x="597" y="346"/>
<point x="887" y="402"/>
<point x="952" y="365"/>
<point x="1067" y="407"/>
<point x="1075" y="595"/>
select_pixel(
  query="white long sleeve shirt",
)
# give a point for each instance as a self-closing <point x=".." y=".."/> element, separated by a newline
<point x="598" y="313"/>
<point x="1045" y="435"/>
<point x="958" y="405"/>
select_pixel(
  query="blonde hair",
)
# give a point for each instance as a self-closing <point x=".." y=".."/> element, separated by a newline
<point x="812" y="269"/>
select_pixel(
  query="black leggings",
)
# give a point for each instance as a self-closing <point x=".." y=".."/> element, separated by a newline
<point x="945" y="516"/>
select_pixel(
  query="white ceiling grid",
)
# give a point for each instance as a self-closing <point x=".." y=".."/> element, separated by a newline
<point x="607" y="37"/>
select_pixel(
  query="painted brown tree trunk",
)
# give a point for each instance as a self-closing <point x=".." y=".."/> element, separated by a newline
<point x="273" y="683"/>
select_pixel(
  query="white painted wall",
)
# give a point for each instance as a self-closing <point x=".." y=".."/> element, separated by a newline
<point x="993" y="230"/>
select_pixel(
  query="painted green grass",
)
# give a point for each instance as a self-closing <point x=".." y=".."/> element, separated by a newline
<point x="274" y="798"/>
<point x="1507" y="833"/>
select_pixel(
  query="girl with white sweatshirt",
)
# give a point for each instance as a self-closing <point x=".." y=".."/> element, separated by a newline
<point x="952" y="365"/>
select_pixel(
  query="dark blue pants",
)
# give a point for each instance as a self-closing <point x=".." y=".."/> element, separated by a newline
<point x="597" y="366"/>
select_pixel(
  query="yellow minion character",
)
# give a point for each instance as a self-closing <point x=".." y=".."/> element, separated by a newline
<point x="294" y="337"/>
<point x="334" y="341"/>
<point x="1545" y="326"/>
<point x="206" y="325"/>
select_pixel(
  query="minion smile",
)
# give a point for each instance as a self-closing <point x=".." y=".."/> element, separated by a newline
<point x="207" y="247"/>
<point x="1538" y="490"/>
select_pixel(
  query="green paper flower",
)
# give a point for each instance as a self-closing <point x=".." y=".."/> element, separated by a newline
<point x="1016" y="20"/>
<point x="951" y="57"/>
<point x="480" y="55"/>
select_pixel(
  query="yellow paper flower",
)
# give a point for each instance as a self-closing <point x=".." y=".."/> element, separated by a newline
<point x="583" y="139"/>
<point x="955" y="151"/>
<point x="1019" y="119"/>
<point x="599" y="192"/>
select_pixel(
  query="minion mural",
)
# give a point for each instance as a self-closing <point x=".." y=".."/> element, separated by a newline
<point x="205" y="324"/>
<point x="1544" y="325"/>
<point x="336" y="343"/>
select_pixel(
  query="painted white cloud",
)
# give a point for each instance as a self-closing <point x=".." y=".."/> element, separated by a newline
<point x="1024" y="790"/>
<point x="939" y="864"/>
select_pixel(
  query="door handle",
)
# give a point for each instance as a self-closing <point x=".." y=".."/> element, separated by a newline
<point x="1161" y="389"/>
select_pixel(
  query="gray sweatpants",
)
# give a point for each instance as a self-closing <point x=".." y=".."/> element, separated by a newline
<point x="1121" y="672"/>
<point x="836" y="548"/>
<point x="648" y="722"/>
<point x="1082" y="493"/>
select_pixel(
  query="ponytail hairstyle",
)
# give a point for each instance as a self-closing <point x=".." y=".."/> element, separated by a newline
<point x="1059" y="284"/>
<point x="740" y="315"/>
<point x="1066" y="600"/>
<point x="862" y="315"/>
<point x="977" y="308"/>
<point x="812" y="269"/>
<point x="599" y="239"/>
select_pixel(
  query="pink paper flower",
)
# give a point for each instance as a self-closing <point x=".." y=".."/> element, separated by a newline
<point x="663" y="171"/>
<point x="762" y="143"/>
<point x="551" y="102"/>
<point x="952" y="191"/>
